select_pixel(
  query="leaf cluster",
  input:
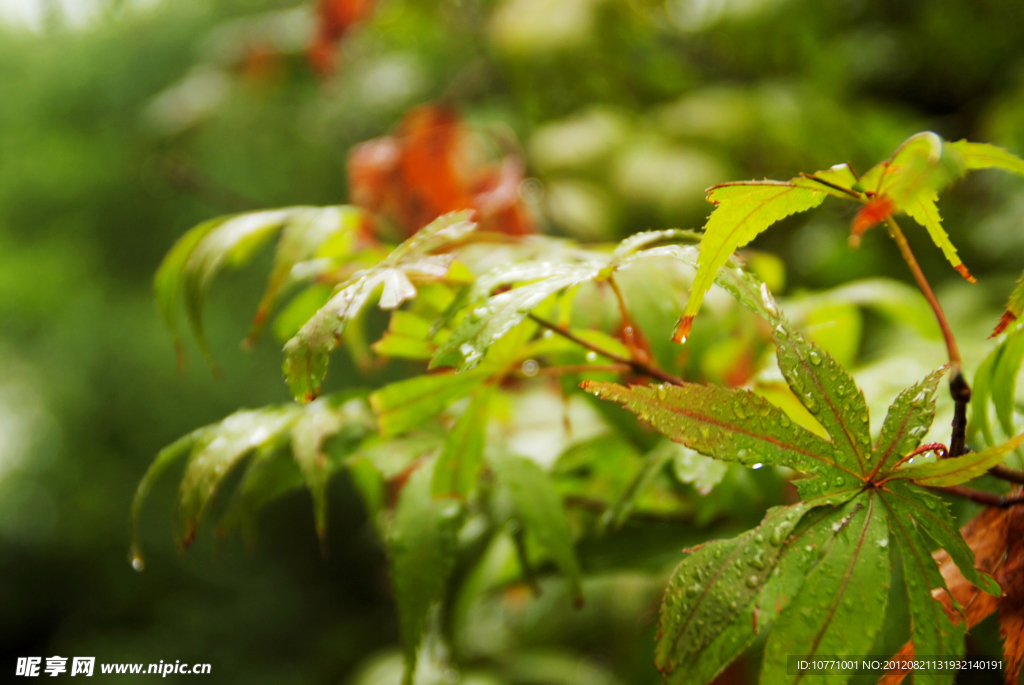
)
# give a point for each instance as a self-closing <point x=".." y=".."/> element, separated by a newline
<point x="487" y="313"/>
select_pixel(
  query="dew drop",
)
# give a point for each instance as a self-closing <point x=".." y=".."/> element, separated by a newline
<point x="739" y="411"/>
<point x="757" y="466"/>
<point x="693" y="590"/>
<point x="530" y="368"/>
<point x="815" y="357"/>
<point x="753" y="581"/>
<point x="784" y="420"/>
<point x="662" y="392"/>
<point x="137" y="563"/>
<point x="883" y="542"/>
<point x="591" y="356"/>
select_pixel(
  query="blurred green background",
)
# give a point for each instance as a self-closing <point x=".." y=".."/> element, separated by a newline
<point x="124" y="123"/>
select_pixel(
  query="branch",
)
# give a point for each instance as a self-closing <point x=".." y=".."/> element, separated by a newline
<point x="639" y="367"/>
<point x="958" y="386"/>
<point x="987" y="498"/>
<point x="577" y="368"/>
<point x="814" y="177"/>
<point x="961" y="393"/>
<point x="926" y="289"/>
<point x="1009" y="475"/>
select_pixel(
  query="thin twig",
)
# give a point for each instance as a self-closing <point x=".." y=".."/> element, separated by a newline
<point x="579" y="368"/>
<point x="926" y="289"/>
<point x="987" y="498"/>
<point x="958" y="386"/>
<point x="639" y="367"/>
<point x="813" y="177"/>
<point x="629" y="329"/>
<point x="1009" y="475"/>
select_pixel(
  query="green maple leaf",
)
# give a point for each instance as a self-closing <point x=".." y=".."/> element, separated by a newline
<point x="285" y="446"/>
<point x="908" y="182"/>
<point x="306" y="354"/>
<point x="817" y="572"/>
<point x="996" y="381"/>
<point x="195" y="260"/>
<point x="502" y="298"/>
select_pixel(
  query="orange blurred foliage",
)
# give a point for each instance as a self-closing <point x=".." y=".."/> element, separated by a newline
<point x="429" y="166"/>
<point x="334" y="18"/>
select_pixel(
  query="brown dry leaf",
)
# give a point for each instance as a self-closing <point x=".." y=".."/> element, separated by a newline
<point x="997" y="538"/>
<point x="1011" y="608"/>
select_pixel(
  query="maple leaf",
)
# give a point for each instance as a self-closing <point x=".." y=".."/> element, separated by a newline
<point x="284" y="446"/>
<point x="908" y="182"/>
<point x="995" y="536"/>
<point x="831" y="550"/>
<point x="306" y="354"/>
<point x="427" y="167"/>
<point x="742" y="212"/>
<point x="995" y="381"/>
<point x="196" y="259"/>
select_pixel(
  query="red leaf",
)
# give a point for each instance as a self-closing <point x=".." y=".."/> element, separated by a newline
<point x="870" y="214"/>
<point x="1004" y="323"/>
<point x="430" y="166"/>
<point x="334" y="18"/>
